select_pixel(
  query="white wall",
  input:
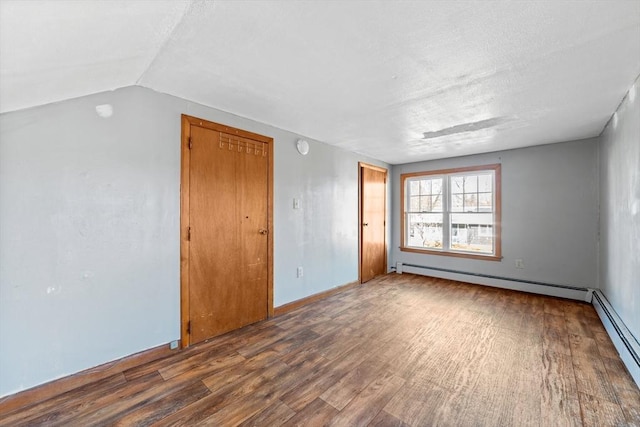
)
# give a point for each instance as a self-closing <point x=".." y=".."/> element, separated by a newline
<point x="620" y="211"/>
<point x="89" y="227"/>
<point x="549" y="214"/>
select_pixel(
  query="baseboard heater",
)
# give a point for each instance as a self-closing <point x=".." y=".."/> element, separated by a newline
<point x="626" y="344"/>
<point x="563" y="291"/>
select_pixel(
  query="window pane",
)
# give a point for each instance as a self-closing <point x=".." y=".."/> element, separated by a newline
<point x="471" y="184"/>
<point x="470" y="202"/>
<point x="472" y="232"/>
<point x="414" y="204"/>
<point x="425" y="204"/>
<point x="457" y="202"/>
<point x="436" y="186"/>
<point x="437" y="203"/>
<point x="457" y="184"/>
<point x="414" y="188"/>
<point x="485" y="183"/>
<point x="425" y="186"/>
<point x="424" y="231"/>
<point x="485" y="202"/>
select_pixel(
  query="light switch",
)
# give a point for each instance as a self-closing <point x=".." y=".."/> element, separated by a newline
<point x="296" y="203"/>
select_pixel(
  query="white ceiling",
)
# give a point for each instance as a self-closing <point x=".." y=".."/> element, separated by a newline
<point x="399" y="81"/>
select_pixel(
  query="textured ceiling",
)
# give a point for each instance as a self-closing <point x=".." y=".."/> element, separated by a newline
<point x="396" y="80"/>
<point x="51" y="50"/>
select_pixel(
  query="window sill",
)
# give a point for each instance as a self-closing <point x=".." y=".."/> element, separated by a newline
<point x="452" y="254"/>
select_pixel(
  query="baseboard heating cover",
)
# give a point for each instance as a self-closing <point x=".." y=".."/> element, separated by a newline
<point x="626" y="344"/>
<point x="562" y="291"/>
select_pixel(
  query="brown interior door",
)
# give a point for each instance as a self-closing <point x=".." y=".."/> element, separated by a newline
<point x="373" y="192"/>
<point x="228" y="233"/>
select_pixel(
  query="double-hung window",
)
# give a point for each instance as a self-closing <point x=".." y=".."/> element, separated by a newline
<point x="452" y="212"/>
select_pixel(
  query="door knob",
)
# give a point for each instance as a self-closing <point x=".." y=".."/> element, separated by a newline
<point x="263" y="231"/>
<point x="365" y="224"/>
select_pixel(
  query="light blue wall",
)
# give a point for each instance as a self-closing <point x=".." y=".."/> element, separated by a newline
<point x="89" y="226"/>
<point x="620" y="211"/>
<point x="549" y="214"/>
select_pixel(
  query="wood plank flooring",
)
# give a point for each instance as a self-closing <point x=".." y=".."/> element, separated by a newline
<point x="401" y="350"/>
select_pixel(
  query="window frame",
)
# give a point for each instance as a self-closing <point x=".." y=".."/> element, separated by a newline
<point x="447" y="212"/>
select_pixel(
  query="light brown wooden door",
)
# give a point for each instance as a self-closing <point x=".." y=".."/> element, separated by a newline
<point x="373" y="193"/>
<point x="228" y="241"/>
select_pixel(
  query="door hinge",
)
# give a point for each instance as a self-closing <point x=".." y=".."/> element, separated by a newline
<point x="189" y="234"/>
<point x="189" y="327"/>
<point x="190" y="145"/>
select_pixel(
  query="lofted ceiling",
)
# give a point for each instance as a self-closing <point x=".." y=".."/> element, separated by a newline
<point x="400" y="81"/>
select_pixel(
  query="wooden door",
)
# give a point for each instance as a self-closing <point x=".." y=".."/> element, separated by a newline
<point x="226" y="219"/>
<point x="373" y="201"/>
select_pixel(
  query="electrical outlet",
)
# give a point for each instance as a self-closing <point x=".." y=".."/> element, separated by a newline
<point x="299" y="272"/>
<point x="519" y="263"/>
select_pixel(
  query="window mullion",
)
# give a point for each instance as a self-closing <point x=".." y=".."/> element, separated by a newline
<point x="407" y="209"/>
<point x="446" y="220"/>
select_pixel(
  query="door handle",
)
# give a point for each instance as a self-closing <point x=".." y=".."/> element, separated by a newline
<point x="365" y="224"/>
<point x="263" y="231"/>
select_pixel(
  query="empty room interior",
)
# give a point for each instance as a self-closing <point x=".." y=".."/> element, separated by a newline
<point x="352" y="213"/>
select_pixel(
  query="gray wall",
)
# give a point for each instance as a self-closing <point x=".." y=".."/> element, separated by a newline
<point x="549" y="214"/>
<point x="620" y="211"/>
<point x="89" y="219"/>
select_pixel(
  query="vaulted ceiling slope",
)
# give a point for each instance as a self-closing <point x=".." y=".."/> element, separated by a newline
<point x="399" y="81"/>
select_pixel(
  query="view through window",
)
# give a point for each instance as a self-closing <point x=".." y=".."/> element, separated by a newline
<point x="453" y="211"/>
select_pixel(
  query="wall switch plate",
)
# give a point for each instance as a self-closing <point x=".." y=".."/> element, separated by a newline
<point x="173" y="345"/>
<point x="296" y="203"/>
<point x="519" y="263"/>
<point x="299" y="272"/>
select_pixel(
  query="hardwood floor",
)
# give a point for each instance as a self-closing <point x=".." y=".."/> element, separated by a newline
<point x="401" y="350"/>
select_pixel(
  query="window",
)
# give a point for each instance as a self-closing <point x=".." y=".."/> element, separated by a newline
<point x="453" y="212"/>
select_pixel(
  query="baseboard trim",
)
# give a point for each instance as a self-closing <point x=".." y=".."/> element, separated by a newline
<point x="47" y="390"/>
<point x="626" y="344"/>
<point x="549" y="289"/>
<point x="285" y="308"/>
